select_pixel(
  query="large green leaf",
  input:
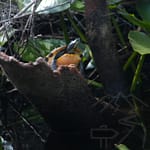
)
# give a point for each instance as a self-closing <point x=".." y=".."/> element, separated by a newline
<point x="140" y="42"/>
<point x="53" y="6"/>
<point x="143" y="8"/>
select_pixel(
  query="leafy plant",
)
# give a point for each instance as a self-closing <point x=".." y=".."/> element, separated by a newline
<point x="141" y="44"/>
<point x="138" y="40"/>
<point x="37" y="48"/>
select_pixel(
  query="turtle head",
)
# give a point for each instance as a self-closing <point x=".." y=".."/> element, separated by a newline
<point x="72" y="45"/>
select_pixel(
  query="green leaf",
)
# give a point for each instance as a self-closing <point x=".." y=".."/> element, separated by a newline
<point x="121" y="147"/>
<point x="53" y="6"/>
<point x="143" y="8"/>
<point x="78" y="5"/>
<point x="135" y="21"/>
<point x="38" y="47"/>
<point x="113" y="4"/>
<point x="110" y="2"/>
<point x="140" y="42"/>
<point x="95" y="83"/>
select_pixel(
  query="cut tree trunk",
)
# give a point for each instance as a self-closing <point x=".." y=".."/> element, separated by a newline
<point x="65" y="102"/>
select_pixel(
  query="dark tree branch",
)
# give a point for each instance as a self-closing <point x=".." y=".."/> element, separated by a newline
<point x="101" y="41"/>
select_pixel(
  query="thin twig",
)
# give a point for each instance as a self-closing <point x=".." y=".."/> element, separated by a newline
<point x="32" y="18"/>
<point x="20" y="14"/>
<point x="27" y="122"/>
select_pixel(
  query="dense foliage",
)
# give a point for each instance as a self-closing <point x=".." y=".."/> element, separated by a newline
<point x="32" y="29"/>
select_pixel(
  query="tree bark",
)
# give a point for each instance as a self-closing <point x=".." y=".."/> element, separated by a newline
<point x="65" y="102"/>
<point x="101" y="41"/>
